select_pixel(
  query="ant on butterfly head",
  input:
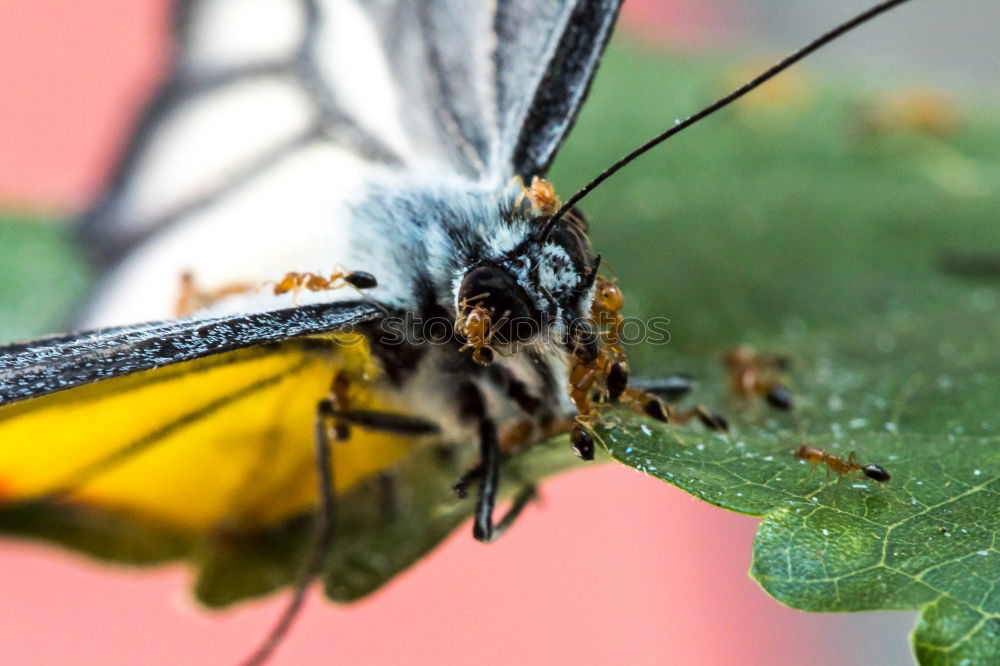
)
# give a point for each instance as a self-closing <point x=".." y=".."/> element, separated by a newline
<point x="599" y="374"/>
<point x="540" y="194"/>
<point x="475" y="324"/>
<point x="598" y="367"/>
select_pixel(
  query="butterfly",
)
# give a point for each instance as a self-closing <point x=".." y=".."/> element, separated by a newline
<point x="262" y="168"/>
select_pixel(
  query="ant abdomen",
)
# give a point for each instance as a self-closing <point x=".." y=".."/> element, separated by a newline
<point x="361" y="280"/>
<point x="582" y="442"/>
<point x="780" y="397"/>
<point x="753" y="374"/>
<point x="876" y="473"/>
<point x="617" y="380"/>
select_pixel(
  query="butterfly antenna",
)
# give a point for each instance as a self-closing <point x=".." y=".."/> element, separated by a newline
<point x="322" y="540"/>
<point x="725" y="101"/>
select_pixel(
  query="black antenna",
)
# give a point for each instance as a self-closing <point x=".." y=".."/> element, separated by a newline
<point x="712" y="108"/>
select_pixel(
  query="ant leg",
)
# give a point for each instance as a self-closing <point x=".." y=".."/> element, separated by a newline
<point x="518" y="182"/>
<point x="322" y="538"/>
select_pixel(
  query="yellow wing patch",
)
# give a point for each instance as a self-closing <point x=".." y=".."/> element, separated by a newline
<point x="221" y="441"/>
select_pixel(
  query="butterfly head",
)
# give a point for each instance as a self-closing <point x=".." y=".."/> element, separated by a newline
<point x="536" y="293"/>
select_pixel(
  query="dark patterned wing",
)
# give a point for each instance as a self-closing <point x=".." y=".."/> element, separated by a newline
<point x="35" y="369"/>
<point x="547" y="55"/>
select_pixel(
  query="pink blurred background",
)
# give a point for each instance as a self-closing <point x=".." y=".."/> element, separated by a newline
<point x="612" y="567"/>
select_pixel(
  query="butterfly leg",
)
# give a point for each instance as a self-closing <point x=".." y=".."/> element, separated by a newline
<point x="483" y="527"/>
<point x="323" y="532"/>
<point x="398" y="424"/>
<point x="489" y="456"/>
<point x="342" y="414"/>
<point x="670" y="388"/>
<point x="487" y="472"/>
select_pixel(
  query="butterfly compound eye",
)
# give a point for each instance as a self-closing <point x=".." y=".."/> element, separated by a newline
<point x="512" y="317"/>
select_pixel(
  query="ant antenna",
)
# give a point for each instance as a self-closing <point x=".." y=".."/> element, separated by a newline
<point x="712" y="108"/>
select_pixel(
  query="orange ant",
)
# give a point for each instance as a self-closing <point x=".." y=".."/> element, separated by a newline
<point x="599" y="374"/>
<point x="541" y="194"/>
<point x="758" y="374"/>
<point x="839" y="466"/>
<point x="191" y="298"/>
<point x="294" y="282"/>
<point x="606" y="309"/>
<point x="604" y="381"/>
<point x="474" y="323"/>
<point x="516" y="434"/>
<point x="598" y="369"/>
<point x="340" y="402"/>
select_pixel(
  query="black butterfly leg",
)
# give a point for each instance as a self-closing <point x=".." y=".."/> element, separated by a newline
<point x="489" y="457"/>
<point x="322" y="537"/>
<point x="483" y="528"/>
<point x="487" y="472"/>
<point x="473" y="407"/>
<point x="397" y="424"/>
<point x="670" y="388"/>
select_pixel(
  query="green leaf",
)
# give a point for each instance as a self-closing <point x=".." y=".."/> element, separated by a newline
<point x="865" y="259"/>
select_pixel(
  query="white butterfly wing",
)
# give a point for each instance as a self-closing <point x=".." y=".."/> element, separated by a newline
<point x="277" y="112"/>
